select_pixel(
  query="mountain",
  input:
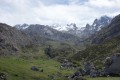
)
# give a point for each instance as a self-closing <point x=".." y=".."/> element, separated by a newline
<point x="87" y="31"/>
<point x="108" y="32"/>
<point x="38" y="32"/>
<point x="97" y="25"/>
<point x="67" y="27"/>
<point x="104" y="43"/>
<point x="11" y="40"/>
<point x="84" y="32"/>
<point x="23" y="26"/>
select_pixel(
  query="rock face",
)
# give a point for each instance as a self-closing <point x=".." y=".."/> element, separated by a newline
<point x="106" y="33"/>
<point x="112" y="64"/>
<point x="97" y="25"/>
<point x="11" y="39"/>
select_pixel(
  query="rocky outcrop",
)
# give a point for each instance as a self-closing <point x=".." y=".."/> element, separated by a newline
<point x="112" y="65"/>
<point x="66" y="64"/>
<point x="11" y="40"/>
<point x="88" y="67"/>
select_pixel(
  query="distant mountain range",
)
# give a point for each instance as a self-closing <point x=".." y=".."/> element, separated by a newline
<point x="42" y="33"/>
<point x="103" y="37"/>
<point x="83" y="33"/>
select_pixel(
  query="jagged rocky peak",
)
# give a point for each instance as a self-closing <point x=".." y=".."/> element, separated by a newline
<point x="66" y="27"/>
<point x="99" y="23"/>
<point x="21" y="26"/>
<point x="72" y="26"/>
<point x="57" y="27"/>
<point x="88" y="26"/>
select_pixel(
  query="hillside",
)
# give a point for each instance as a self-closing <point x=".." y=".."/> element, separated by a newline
<point x="104" y="43"/>
<point x="112" y="30"/>
<point x="11" y="40"/>
<point x="96" y="26"/>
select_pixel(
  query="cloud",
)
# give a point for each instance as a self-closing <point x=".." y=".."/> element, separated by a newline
<point x="60" y="12"/>
<point x="104" y="3"/>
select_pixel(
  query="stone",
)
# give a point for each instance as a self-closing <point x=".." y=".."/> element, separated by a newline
<point x="34" y="68"/>
<point x="66" y="64"/>
<point x="87" y="67"/>
<point x="79" y="78"/>
<point x="3" y="76"/>
<point x="112" y="65"/>
<point x="93" y="73"/>
<point x="82" y="72"/>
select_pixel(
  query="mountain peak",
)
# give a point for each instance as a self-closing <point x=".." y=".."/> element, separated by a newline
<point x="21" y="26"/>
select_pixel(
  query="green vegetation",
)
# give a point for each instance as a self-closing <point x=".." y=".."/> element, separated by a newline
<point x="98" y="53"/>
<point x="20" y="69"/>
<point x="104" y="78"/>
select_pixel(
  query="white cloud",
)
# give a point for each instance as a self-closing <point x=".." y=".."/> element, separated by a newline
<point x="104" y="3"/>
<point x="32" y="11"/>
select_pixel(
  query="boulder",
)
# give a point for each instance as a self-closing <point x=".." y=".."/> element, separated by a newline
<point x="93" y="73"/>
<point x="112" y="65"/>
<point x="3" y="76"/>
<point x="78" y="78"/>
<point x="34" y="68"/>
<point x="87" y="67"/>
<point x="66" y="65"/>
<point x="82" y="72"/>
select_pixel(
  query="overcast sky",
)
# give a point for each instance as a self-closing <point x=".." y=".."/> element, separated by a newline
<point x="61" y="12"/>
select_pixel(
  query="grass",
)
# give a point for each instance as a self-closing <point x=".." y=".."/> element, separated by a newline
<point x="20" y="69"/>
<point x="105" y="78"/>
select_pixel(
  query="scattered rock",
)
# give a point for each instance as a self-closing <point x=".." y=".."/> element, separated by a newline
<point x="93" y="73"/>
<point x="34" y="68"/>
<point x="3" y="76"/>
<point x="66" y="64"/>
<point x="79" y="78"/>
<point x="112" y="65"/>
<point x="77" y="75"/>
<point x="87" y="67"/>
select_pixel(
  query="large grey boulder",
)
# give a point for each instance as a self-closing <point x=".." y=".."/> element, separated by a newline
<point x="88" y="67"/>
<point x="93" y="73"/>
<point x="112" y="64"/>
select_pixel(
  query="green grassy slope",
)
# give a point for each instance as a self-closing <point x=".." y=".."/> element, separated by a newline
<point x="97" y="53"/>
<point x="20" y="69"/>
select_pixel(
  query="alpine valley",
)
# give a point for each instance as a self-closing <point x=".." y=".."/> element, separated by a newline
<point x="56" y="52"/>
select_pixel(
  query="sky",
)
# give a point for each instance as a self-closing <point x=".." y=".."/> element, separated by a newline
<point x="49" y="12"/>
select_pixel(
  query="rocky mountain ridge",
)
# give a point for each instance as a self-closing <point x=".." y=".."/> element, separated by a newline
<point x="11" y="39"/>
